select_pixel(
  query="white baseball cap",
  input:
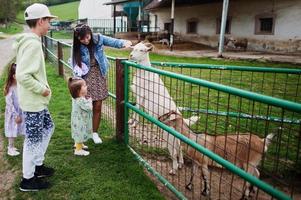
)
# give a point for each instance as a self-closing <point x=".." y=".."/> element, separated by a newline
<point x="37" y="11"/>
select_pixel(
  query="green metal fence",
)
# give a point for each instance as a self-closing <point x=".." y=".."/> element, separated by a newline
<point x="222" y="111"/>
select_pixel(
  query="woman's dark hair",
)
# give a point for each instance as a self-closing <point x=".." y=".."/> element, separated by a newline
<point x="10" y="78"/>
<point x="80" y="31"/>
<point x="75" y="85"/>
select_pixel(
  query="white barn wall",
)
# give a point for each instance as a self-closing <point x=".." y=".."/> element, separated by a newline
<point x="94" y="9"/>
<point x="287" y="33"/>
<point x="100" y="15"/>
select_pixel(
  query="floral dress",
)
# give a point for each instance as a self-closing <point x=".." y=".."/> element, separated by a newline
<point x="81" y="119"/>
<point x="96" y="82"/>
<point x="12" y="110"/>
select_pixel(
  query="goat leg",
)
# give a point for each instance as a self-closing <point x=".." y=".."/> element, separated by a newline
<point x="189" y="186"/>
<point x="249" y="189"/>
<point x="173" y="153"/>
<point x="205" y="174"/>
<point x="181" y="159"/>
<point x="172" y="141"/>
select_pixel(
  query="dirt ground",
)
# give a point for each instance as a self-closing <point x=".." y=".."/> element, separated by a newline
<point x="223" y="184"/>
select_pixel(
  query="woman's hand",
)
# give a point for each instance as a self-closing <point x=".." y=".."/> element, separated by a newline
<point x="18" y="120"/>
<point x="127" y="44"/>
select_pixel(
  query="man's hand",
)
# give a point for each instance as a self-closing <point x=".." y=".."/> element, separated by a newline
<point x="18" y="120"/>
<point x="127" y="44"/>
<point x="46" y="92"/>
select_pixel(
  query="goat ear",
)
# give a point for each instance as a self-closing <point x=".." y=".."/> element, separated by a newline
<point x="149" y="46"/>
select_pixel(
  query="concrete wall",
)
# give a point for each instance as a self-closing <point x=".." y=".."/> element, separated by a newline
<point x="287" y="32"/>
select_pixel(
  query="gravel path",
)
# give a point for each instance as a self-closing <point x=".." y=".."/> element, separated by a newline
<point x="7" y="52"/>
<point x="6" y="49"/>
<point x="7" y="174"/>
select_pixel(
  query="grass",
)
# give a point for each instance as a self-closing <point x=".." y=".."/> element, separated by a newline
<point x="109" y="172"/>
<point x="20" y="17"/>
<point x="12" y="28"/>
<point x="66" y="11"/>
<point x="62" y="34"/>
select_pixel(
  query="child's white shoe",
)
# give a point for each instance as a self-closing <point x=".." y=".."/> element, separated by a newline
<point x="12" y="152"/>
<point x="96" y="138"/>
<point x="81" y="152"/>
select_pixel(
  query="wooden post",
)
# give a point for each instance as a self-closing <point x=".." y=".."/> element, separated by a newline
<point x="46" y="47"/>
<point x="120" y="121"/>
<point x="59" y="58"/>
<point x="121" y="23"/>
<point x="148" y="23"/>
<point x="114" y="22"/>
<point x="139" y="21"/>
<point x="43" y="43"/>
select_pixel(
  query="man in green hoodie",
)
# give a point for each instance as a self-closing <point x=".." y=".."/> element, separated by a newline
<point x="34" y="95"/>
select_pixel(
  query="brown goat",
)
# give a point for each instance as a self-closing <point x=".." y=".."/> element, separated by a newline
<point x="238" y="43"/>
<point x="243" y="149"/>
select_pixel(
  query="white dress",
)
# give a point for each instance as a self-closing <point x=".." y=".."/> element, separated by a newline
<point x="12" y="110"/>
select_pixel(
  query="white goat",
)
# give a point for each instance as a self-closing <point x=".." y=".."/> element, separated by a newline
<point x="243" y="149"/>
<point x="164" y="41"/>
<point x="153" y="96"/>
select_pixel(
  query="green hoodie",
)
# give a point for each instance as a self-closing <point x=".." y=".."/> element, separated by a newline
<point x="31" y="73"/>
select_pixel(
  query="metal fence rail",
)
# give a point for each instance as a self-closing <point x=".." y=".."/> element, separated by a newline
<point x="284" y="83"/>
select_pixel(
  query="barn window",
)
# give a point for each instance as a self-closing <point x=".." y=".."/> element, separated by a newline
<point x="192" y="25"/>
<point x="265" y="24"/>
<point x="218" y="26"/>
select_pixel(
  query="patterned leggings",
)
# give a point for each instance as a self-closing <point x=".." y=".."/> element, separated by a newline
<point x="38" y="131"/>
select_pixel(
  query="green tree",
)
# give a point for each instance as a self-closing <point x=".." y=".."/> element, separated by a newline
<point x="9" y="10"/>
